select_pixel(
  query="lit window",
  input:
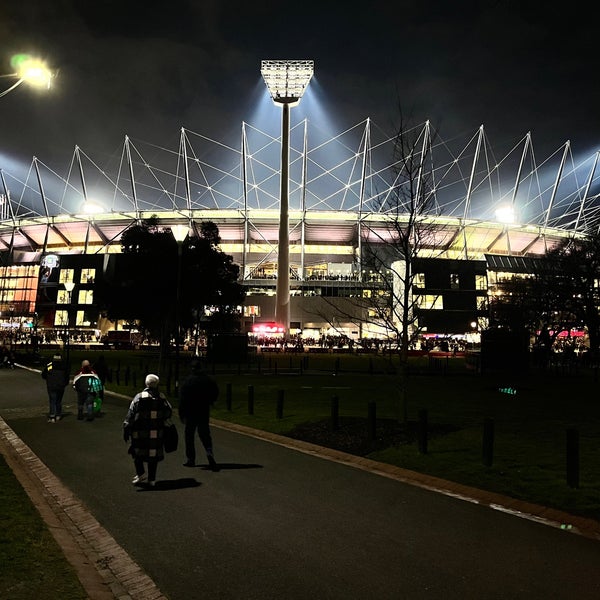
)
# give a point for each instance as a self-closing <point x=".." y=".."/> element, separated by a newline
<point x="419" y="280"/>
<point x="430" y="302"/>
<point x="61" y="318"/>
<point x="454" y="283"/>
<point x="66" y="276"/>
<point x="63" y="297"/>
<point x="480" y="282"/>
<point x="88" y="276"/>
<point x="85" y="297"/>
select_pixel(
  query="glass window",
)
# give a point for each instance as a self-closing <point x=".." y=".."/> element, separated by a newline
<point x="87" y="276"/>
<point x="430" y="302"/>
<point x="419" y="280"/>
<point x="85" y="297"/>
<point x="454" y="282"/>
<point x="480" y="282"/>
<point x="61" y="318"/>
<point x="63" y="297"/>
<point x="66" y="276"/>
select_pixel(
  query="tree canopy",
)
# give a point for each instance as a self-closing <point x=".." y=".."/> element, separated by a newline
<point x="158" y="283"/>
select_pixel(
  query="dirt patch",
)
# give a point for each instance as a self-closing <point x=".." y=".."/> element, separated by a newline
<point x="353" y="434"/>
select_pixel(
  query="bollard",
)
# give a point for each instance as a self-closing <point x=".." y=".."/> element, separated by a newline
<point x="488" y="442"/>
<point x="422" y="431"/>
<point x="228" y="396"/>
<point x="573" y="458"/>
<point x="372" y="421"/>
<point x="250" y="399"/>
<point x="280" y="404"/>
<point x="335" y="413"/>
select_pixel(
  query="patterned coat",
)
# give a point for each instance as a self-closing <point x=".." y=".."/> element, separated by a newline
<point x="145" y="422"/>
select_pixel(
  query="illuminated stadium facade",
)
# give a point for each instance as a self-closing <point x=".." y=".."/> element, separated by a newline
<point x="343" y="192"/>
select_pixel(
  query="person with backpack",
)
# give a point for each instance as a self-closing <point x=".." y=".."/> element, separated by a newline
<point x="88" y="386"/>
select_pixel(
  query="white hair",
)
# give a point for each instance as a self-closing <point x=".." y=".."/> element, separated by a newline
<point x="152" y="380"/>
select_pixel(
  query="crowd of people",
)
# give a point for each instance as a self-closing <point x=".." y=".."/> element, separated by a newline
<point x="148" y="416"/>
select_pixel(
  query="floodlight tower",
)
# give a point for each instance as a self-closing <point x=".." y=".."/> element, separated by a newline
<point x="286" y="81"/>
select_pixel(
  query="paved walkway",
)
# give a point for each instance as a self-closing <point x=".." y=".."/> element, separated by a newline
<point x="107" y="571"/>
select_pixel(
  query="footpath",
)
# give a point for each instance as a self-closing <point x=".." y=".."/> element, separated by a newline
<point x="49" y="467"/>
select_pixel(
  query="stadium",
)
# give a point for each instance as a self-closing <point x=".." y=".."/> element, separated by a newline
<point x="491" y="208"/>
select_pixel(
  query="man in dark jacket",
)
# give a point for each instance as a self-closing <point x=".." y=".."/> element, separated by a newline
<point x="56" y="375"/>
<point x="198" y="392"/>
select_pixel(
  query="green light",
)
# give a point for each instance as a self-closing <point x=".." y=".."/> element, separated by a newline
<point x="17" y="60"/>
<point x="508" y="390"/>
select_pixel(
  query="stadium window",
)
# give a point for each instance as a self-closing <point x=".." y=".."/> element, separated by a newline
<point x="85" y="297"/>
<point x="430" y="302"/>
<point x="87" y="276"/>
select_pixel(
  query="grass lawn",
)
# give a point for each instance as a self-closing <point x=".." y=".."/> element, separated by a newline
<point x="32" y="564"/>
<point x="530" y="426"/>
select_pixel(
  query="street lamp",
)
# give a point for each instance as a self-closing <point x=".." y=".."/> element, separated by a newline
<point x="286" y="81"/>
<point x="179" y="233"/>
<point x="30" y="70"/>
<point x="69" y="286"/>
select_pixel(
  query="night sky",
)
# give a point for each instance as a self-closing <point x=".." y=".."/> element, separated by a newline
<point x="146" y="69"/>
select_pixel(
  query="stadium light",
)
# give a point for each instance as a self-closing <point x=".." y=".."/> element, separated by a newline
<point x="286" y="81"/>
<point x="30" y="70"/>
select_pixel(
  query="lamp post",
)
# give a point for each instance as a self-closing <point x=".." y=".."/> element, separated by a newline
<point x="179" y="233"/>
<point x="30" y="70"/>
<point x="286" y="81"/>
<point x="69" y="286"/>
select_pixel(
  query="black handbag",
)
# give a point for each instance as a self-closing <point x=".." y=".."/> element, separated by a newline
<point x="170" y="438"/>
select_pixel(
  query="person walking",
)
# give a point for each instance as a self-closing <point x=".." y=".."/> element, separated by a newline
<point x="144" y="426"/>
<point x="88" y="386"/>
<point x="197" y="393"/>
<point x="56" y="375"/>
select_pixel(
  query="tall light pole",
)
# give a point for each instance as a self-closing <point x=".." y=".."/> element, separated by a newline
<point x="69" y="286"/>
<point x="28" y="70"/>
<point x="286" y="81"/>
<point x="179" y="233"/>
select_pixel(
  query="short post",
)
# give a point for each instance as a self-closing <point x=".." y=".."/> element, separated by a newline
<point x="422" y="431"/>
<point x="228" y="395"/>
<point x="250" y="399"/>
<point x="335" y="413"/>
<point x="372" y="421"/>
<point x="573" y="458"/>
<point x="488" y="442"/>
<point x="280" y="395"/>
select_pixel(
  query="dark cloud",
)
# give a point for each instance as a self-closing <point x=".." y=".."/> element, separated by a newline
<point x="148" y="68"/>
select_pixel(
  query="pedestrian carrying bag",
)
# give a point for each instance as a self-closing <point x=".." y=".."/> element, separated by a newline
<point x="170" y="437"/>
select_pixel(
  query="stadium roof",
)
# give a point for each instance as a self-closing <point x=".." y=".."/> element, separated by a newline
<point x="341" y="187"/>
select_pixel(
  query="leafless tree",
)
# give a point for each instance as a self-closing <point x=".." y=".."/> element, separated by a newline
<point x="388" y="253"/>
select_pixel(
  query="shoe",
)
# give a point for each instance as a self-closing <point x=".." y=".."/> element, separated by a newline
<point x="52" y="420"/>
<point x="138" y="479"/>
<point x="58" y="418"/>
<point x="189" y="463"/>
<point x="213" y="463"/>
<point x="152" y="483"/>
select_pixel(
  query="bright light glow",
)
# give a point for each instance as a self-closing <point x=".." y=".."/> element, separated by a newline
<point x="179" y="232"/>
<point x="270" y="327"/>
<point x="32" y="70"/>
<point x="286" y="80"/>
<point x="505" y="214"/>
<point x="91" y="208"/>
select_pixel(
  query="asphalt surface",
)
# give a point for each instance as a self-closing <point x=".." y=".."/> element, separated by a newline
<point x="279" y="522"/>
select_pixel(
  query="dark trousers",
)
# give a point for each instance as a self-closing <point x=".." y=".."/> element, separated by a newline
<point x="139" y="468"/>
<point x="203" y="429"/>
